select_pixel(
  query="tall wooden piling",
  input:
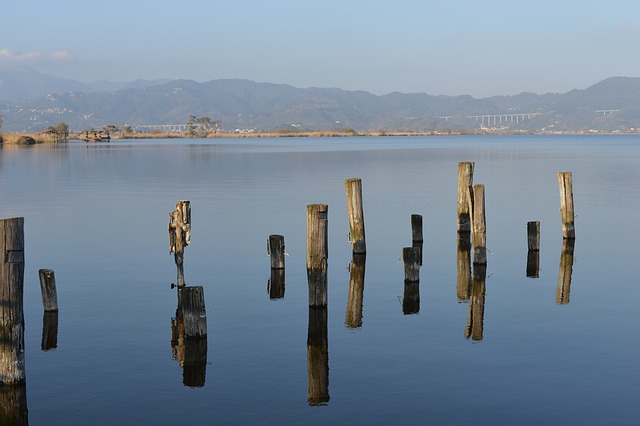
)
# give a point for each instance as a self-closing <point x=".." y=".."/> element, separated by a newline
<point x="479" y="234"/>
<point x="180" y="236"/>
<point x="275" y="249"/>
<point x="353" y="189"/>
<point x="317" y="253"/>
<point x="411" y="261"/>
<point x="565" y="183"/>
<point x="318" y="357"/>
<point x="48" y="290"/>
<point x="194" y="312"/>
<point x="465" y="195"/>
<point x="11" y="297"/>
<point x="563" y="291"/>
<point x="356" y="291"/>
<point x="475" y="320"/>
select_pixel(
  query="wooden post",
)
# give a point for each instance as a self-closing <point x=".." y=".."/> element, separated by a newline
<point x="275" y="249"/>
<point x="353" y="188"/>
<point x="49" y="330"/>
<point x="565" y="182"/>
<point x="479" y="234"/>
<point x="194" y="312"/>
<point x="563" y="290"/>
<point x="475" y="320"/>
<point x="180" y="235"/>
<point x="533" y="255"/>
<point x="48" y="290"/>
<point x="356" y="291"/>
<point x="275" y="285"/>
<point x="317" y="253"/>
<point x="11" y="297"/>
<point x="411" y="261"/>
<point x="318" y="357"/>
<point x="416" y="228"/>
<point x="463" y="285"/>
<point x="411" y="298"/>
<point x="465" y="195"/>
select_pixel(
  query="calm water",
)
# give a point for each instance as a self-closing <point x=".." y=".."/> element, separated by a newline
<point x="97" y="214"/>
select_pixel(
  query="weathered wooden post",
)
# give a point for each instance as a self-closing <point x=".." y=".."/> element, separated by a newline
<point x="356" y="291"/>
<point x="275" y="250"/>
<point x="276" y="284"/>
<point x="416" y="228"/>
<point x="565" y="183"/>
<point x="475" y="320"/>
<point x="317" y="253"/>
<point x="479" y="234"/>
<point x="463" y="285"/>
<point x="48" y="290"/>
<point x="533" y="255"/>
<point x="180" y="235"/>
<point x="563" y="290"/>
<point x="318" y="357"/>
<point x="49" y="330"/>
<point x="12" y="368"/>
<point x="411" y="261"/>
<point x="353" y="189"/>
<point x="465" y="195"/>
<point x="194" y="312"/>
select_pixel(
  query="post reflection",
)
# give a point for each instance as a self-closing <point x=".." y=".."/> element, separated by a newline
<point x="475" y="320"/>
<point x="191" y="354"/>
<point x="49" y="330"/>
<point x="318" y="356"/>
<point x="566" y="269"/>
<point x="275" y="284"/>
<point x="533" y="264"/>
<point x="356" y="291"/>
<point x="13" y="405"/>
<point x="463" y="286"/>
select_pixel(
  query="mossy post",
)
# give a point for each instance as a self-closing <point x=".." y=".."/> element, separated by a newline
<point x="479" y="234"/>
<point x="465" y="195"/>
<point x="275" y="249"/>
<point x="317" y="253"/>
<point x="11" y="301"/>
<point x="353" y="189"/>
<point x="565" y="183"/>
<point x="48" y="290"/>
<point x="180" y="236"/>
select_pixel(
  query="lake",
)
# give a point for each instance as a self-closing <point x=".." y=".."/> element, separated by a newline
<point x="533" y="351"/>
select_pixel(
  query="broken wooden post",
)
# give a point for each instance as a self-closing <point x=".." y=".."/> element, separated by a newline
<point x="11" y="301"/>
<point x="356" y="291"/>
<point x="317" y="253"/>
<point x="49" y="330"/>
<point x="353" y="189"/>
<point x="318" y="357"/>
<point x="563" y="290"/>
<point x="194" y="312"/>
<point x="533" y="255"/>
<point x="463" y="285"/>
<point x="475" y="320"/>
<point x="465" y="195"/>
<point x="411" y="261"/>
<point x="275" y="250"/>
<point x="48" y="290"/>
<point x="275" y="284"/>
<point x="180" y="235"/>
<point x="479" y="234"/>
<point x="565" y="183"/>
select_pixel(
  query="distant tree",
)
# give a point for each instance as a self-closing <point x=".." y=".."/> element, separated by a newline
<point x="60" y="132"/>
<point x="202" y="126"/>
<point x="109" y="129"/>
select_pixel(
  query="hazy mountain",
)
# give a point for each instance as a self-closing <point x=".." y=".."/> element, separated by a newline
<point x="609" y="105"/>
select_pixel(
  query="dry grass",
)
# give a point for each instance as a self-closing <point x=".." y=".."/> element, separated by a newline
<point x="12" y="138"/>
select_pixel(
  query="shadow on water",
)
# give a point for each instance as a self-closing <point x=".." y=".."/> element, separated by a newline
<point x="356" y="291"/>
<point x="475" y="320"/>
<point x="564" y="274"/>
<point x="318" y="356"/>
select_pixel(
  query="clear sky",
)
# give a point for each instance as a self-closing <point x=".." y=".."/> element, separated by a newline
<point x="448" y="47"/>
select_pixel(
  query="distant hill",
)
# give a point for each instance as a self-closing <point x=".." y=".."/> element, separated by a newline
<point x="610" y="105"/>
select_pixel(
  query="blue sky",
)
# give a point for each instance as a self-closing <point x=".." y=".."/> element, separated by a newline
<point x="480" y="48"/>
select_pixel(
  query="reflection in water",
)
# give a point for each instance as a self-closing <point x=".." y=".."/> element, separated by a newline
<point x="356" y="291"/>
<point x="533" y="264"/>
<point x="13" y="405"/>
<point x="564" y="274"/>
<point x="463" y="287"/>
<point x="475" y="320"/>
<point x="318" y="356"/>
<point x="418" y="245"/>
<point x="275" y="284"/>
<point x="191" y="354"/>
<point x="49" y="330"/>
<point x="411" y="298"/>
